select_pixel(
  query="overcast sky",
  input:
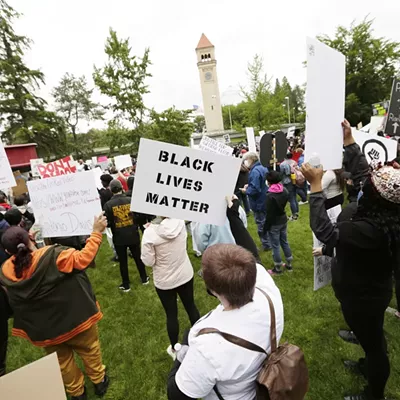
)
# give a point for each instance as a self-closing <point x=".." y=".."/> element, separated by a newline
<point x="69" y="36"/>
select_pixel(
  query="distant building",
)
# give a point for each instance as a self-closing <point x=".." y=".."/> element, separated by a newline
<point x="207" y="65"/>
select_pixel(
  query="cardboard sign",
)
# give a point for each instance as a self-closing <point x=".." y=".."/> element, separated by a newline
<point x="40" y="380"/>
<point x="63" y="166"/>
<point x="7" y="179"/>
<point x="213" y="146"/>
<point x="179" y="182"/>
<point x="376" y="148"/>
<point x="122" y="162"/>
<point x="21" y="187"/>
<point x="250" y="140"/>
<point x="34" y="165"/>
<point x="392" y="127"/>
<point x="325" y="98"/>
<point x="323" y="264"/>
<point x="65" y="205"/>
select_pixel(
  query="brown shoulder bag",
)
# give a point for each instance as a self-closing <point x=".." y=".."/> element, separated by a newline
<point x="284" y="373"/>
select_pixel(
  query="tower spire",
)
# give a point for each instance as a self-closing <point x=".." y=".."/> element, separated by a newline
<point x="204" y="42"/>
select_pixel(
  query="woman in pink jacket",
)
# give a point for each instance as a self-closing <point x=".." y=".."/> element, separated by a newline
<point x="164" y="249"/>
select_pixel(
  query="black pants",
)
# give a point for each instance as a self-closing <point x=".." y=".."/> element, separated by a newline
<point x="334" y="201"/>
<point x="397" y="285"/>
<point x="368" y="328"/>
<point x="122" y="254"/>
<point x="5" y="313"/>
<point x="169" y="301"/>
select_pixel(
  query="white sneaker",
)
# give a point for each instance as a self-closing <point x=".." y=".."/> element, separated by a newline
<point x="171" y="352"/>
<point x="301" y="203"/>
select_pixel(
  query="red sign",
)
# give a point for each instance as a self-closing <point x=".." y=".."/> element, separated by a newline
<point x="57" y="168"/>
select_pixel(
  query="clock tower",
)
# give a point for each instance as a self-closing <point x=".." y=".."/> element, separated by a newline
<point x="207" y="65"/>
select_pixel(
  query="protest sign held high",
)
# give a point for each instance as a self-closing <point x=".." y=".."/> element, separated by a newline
<point x="65" y="205"/>
<point x="376" y="148"/>
<point x="34" y="165"/>
<point x="251" y="140"/>
<point x="122" y="162"/>
<point x="213" y="146"/>
<point x="63" y="166"/>
<point x="392" y="127"/>
<point x="325" y="99"/>
<point x="7" y="179"/>
<point x="179" y="182"/>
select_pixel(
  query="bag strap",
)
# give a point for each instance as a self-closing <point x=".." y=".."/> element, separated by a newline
<point x="217" y="392"/>
<point x="274" y="344"/>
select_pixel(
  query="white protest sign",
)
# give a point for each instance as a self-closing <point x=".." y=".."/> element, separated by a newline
<point x="322" y="264"/>
<point x="34" y="166"/>
<point x="213" y="146"/>
<point x="376" y="148"/>
<point x="325" y="98"/>
<point x="29" y="382"/>
<point x="122" y="162"/>
<point x="7" y="179"/>
<point x="250" y="140"/>
<point x="97" y="173"/>
<point x="261" y="133"/>
<point x="291" y="132"/>
<point x="227" y="138"/>
<point x="65" y="205"/>
<point x="179" y="182"/>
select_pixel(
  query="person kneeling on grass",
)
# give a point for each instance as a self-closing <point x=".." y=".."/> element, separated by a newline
<point x="164" y="248"/>
<point x="276" y="222"/>
<point x="54" y="305"/>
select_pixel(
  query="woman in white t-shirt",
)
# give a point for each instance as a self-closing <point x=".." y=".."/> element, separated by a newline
<point x="164" y="249"/>
<point x="333" y="186"/>
<point x="231" y="274"/>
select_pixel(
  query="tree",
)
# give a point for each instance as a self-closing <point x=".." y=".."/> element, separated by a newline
<point x="123" y="80"/>
<point x="23" y="114"/>
<point x="171" y="126"/>
<point x="199" y="123"/>
<point x="74" y="101"/>
<point x="371" y="65"/>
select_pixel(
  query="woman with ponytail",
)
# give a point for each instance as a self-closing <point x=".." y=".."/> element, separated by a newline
<point x="54" y="305"/>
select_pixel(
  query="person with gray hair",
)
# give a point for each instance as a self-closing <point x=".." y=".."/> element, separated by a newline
<point x="256" y="190"/>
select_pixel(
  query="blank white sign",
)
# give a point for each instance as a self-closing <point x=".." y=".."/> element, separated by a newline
<point x="325" y="100"/>
<point x="251" y="140"/>
<point x="40" y="380"/>
<point x="7" y="179"/>
<point x="184" y="183"/>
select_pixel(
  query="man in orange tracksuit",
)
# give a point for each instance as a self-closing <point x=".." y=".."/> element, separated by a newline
<point x="54" y="305"/>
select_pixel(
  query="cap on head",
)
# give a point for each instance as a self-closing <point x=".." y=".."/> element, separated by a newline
<point x="386" y="181"/>
<point x="116" y="186"/>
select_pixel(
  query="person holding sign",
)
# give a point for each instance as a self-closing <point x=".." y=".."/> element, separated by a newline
<point x="125" y="234"/>
<point x="54" y="304"/>
<point x="367" y="243"/>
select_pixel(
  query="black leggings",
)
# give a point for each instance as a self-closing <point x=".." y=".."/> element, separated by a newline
<point x="397" y="285"/>
<point x="169" y="301"/>
<point x="368" y="328"/>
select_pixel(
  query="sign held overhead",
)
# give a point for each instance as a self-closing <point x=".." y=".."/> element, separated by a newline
<point x="325" y="99"/>
<point x="179" y="182"/>
<point x="7" y="179"/>
<point x="213" y="146"/>
<point x="392" y="127"/>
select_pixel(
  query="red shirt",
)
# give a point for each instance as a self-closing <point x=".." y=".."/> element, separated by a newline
<point x="123" y="183"/>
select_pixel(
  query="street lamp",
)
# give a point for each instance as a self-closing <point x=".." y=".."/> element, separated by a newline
<point x="288" y="107"/>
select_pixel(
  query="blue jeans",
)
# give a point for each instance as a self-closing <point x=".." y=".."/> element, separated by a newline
<point x="294" y="205"/>
<point x="278" y="238"/>
<point x="302" y="192"/>
<point x="259" y="217"/>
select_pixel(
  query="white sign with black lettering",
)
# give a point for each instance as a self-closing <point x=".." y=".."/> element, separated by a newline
<point x="179" y="182"/>
<point x="323" y="264"/>
<point x="376" y="148"/>
<point x="213" y="146"/>
<point x="65" y="205"/>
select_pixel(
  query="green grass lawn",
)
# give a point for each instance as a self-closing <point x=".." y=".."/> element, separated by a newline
<point x="134" y="337"/>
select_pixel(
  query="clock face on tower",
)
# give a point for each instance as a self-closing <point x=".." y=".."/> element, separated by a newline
<point x="208" y="76"/>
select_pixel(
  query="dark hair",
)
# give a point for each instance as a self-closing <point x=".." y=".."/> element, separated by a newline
<point x="340" y="178"/>
<point x="16" y="241"/>
<point x="274" y="177"/>
<point x="3" y="198"/>
<point x="13" y="216"/>
<point x="385" y="215"/>
<point x="230" y="271"/>
<point x="130" y="182"/>
<point x="106" y="180"/>
<point x="289" y="156"/>
<point x="19" y="200"/>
